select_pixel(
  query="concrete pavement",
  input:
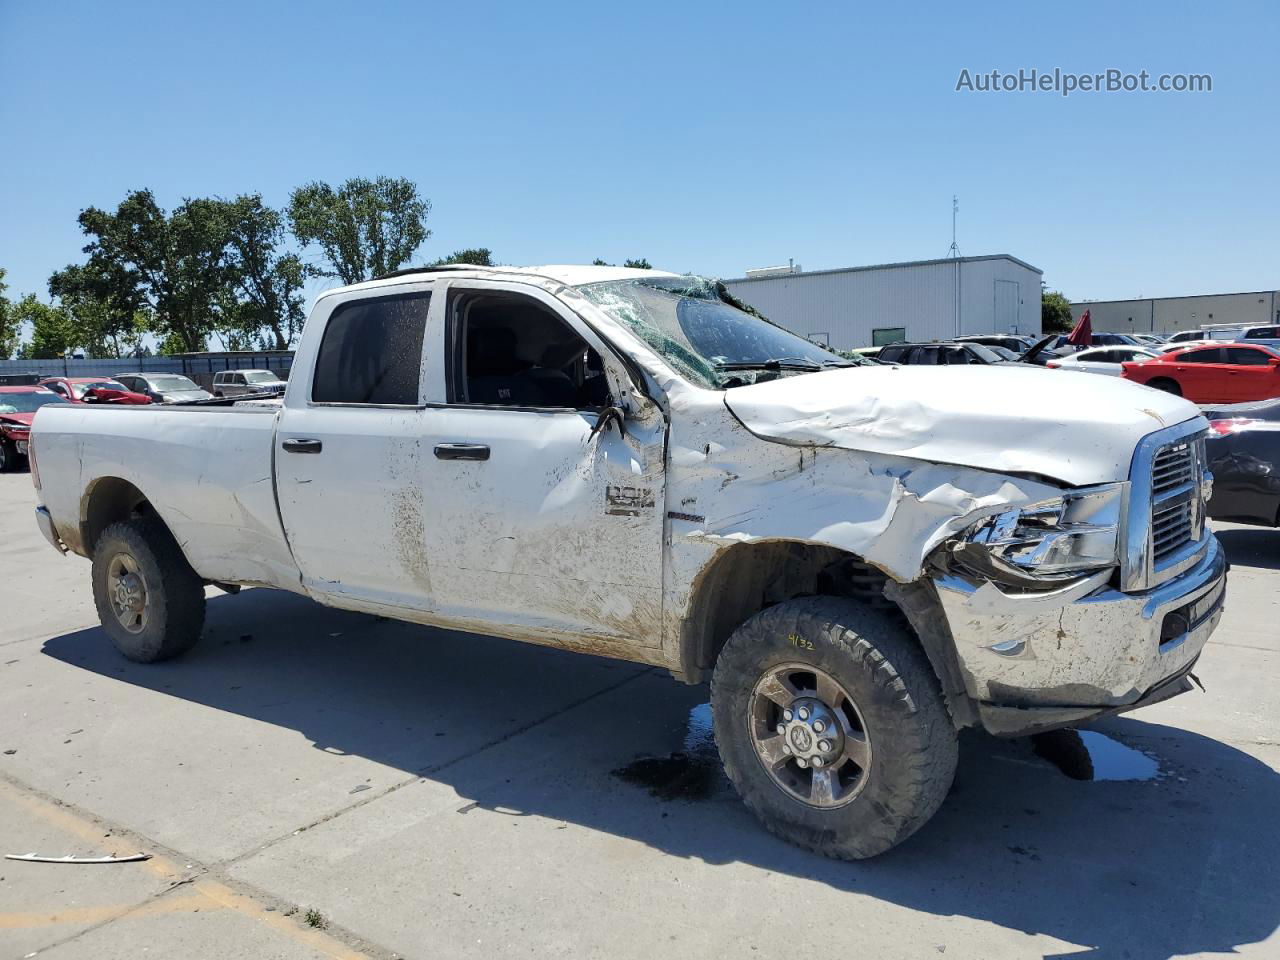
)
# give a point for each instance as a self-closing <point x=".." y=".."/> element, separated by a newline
<point x="416" y="792"/>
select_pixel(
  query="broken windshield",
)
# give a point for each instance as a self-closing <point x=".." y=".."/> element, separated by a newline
<point x="706" y="334"/>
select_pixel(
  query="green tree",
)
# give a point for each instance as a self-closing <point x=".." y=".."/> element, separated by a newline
<point x="641" y="264"/>
<point x="1055" y="313"/>
<point x="476" y="256"/>
<point x="10" y="329"/>
<point x="264" y="303"/>
<point x="52" y="330"/>
<point x="365" y="228"/>
<point x="107" y="312"/>
<point x="176" y="264"/>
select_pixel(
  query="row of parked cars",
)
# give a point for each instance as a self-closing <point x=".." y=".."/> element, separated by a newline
<point x="1203" y="370"/>
<point x="22" y="395"/>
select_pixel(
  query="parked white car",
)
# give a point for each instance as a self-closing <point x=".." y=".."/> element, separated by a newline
<point x="1104" y="360"/>
<point x="862" y="560"/>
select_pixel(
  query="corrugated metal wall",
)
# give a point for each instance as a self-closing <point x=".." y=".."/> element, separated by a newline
<point x="844" y="307"/>
<point x="1171" y="314"/>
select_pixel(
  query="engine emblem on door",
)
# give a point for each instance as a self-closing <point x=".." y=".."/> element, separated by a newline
<point x="627" y="501"/>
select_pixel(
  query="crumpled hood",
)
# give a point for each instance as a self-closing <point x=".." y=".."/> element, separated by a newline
<point x="1077" y="428"/>
<point x="22" y="418"/>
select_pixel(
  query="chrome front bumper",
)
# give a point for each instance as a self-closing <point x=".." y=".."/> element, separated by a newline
<point x="1036" y="661"/>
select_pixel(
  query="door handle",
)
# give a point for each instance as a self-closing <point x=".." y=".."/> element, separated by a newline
<point x="462" y="451"/>
<point x="299" y="445"/>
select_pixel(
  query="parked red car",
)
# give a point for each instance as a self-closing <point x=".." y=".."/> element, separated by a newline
<point x="93" y="390"/>
<point x="18" y="406"/>
<point x="1230" y="373"/>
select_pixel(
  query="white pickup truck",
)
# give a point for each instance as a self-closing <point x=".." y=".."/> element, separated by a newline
<point x="861" y="559"/>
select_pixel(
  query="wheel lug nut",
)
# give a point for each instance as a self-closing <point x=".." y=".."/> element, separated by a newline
<point x="786" y="715"/>
<point x="819" y="726"/>
<point x="786" y="748"/>
<point x="817" y="761"/>
<point x="781" y="729"/>
<point x="824" y="746"/>
<point x="804" y="713"/>
<point x="801" y="762"/>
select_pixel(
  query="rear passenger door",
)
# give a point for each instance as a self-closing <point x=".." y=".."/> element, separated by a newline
<point x="542" y="514"/>
<point x="349" y="449"/>
<point x="1202" y="375"/>
<point x="1251" y="376"/>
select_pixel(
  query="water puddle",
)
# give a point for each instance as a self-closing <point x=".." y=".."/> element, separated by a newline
<point x="1089" y="755"/>
<point x="690" y="774"/>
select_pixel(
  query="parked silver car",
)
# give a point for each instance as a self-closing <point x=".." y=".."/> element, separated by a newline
<point x="164" y="387"/>
<point x="236" y="383"/>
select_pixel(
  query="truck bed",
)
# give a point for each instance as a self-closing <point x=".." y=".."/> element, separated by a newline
<point x="207" y="470"/>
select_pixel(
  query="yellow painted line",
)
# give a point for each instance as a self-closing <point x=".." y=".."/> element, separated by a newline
<point x="312" y="937"/>
<point x="87" y="916"/>
<point x="207" y="893"/>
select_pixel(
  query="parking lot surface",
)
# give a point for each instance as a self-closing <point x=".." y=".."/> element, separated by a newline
<point x="314" y="783"/>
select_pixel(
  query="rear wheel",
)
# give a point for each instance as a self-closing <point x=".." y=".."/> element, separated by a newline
<point x="1167" y="385"/>
<point x="149" y="600"/>
<point x="831" y="724"/>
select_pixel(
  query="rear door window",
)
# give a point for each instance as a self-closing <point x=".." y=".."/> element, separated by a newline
<point x="372" y="352"/>
<point x="1208" y="355"/>
<point x="1246" y="357"/>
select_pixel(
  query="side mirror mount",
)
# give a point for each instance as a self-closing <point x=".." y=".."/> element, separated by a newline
<point x="607" y="415"/>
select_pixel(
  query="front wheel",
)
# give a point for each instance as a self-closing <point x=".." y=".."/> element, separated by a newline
<point x="149" y="600"/>
<point x="831" y="724"/>
<point x="8" y="456"/>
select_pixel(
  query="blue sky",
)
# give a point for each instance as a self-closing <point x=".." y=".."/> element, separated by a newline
<point x="710" y="138"/>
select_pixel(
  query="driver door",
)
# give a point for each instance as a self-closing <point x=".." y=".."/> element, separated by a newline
<point x="540" y="513"/>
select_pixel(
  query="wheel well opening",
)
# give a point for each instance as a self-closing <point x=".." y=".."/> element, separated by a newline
<point x="749" y="577"/>
<point x="109" y="501"/>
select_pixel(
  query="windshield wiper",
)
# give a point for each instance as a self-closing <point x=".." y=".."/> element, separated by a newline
<point x="776" y="363"/>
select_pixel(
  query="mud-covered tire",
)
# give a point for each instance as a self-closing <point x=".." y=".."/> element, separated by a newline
<point x="886" y="674"/>
<point x="174" y="594"/>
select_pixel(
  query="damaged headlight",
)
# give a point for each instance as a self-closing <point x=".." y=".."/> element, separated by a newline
<point x="1044" y="543"/>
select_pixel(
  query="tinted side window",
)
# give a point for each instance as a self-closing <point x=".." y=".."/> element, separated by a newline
<point x="372" y="351"/>
<point x="892" y="354"/>
<point x="1209" y="355"/>
<point x="1246" y="357"/>
<point x="1263" y="333"/>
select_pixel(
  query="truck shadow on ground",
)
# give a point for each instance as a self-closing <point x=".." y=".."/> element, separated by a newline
<point x="1144" y="870"/>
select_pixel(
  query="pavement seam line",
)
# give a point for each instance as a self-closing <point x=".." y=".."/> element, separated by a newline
<point x="207" y="883"/>
<point x="424" y="774"/>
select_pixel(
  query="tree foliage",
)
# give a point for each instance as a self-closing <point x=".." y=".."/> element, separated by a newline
<point x="640" y="264"/>
<point x="10" y="329"/>
<point x="176" y="264"/>
<point x="107" y="312"/>
<point x="364" y="229"/>
<point x="1055" y="312"/>
<point x="476" y="256"/>
<point x="53" y="333"/>
<point x="265" y="306"/>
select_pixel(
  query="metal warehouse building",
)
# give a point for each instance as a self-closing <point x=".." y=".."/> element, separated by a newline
<point x="919" y="300"/>
<point x="1171" y="314"/>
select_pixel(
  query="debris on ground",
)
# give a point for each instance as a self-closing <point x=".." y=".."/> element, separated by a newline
<point x="37" y="858"/>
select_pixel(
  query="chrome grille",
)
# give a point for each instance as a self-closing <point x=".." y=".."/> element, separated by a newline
<point x="1175" y="498"/>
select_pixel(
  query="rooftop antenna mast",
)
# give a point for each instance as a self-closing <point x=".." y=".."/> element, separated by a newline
<point x="954" y="249"/>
